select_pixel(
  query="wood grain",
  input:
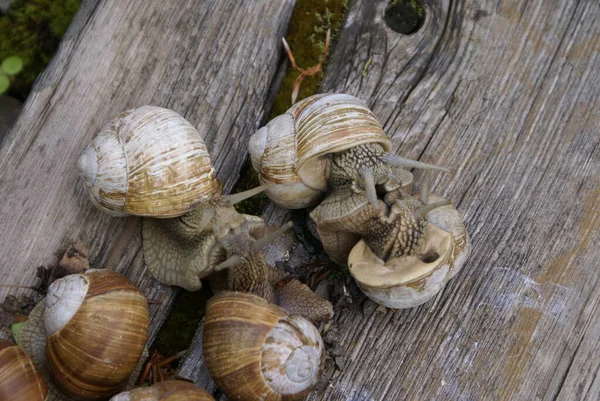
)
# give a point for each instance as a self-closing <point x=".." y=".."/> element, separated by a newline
<point x="213" y="62"/>
<point x="505" y="93"/>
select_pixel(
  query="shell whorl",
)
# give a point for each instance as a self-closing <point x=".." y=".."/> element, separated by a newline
<point x="295" y="344"/>
<point x="148" y="161"/>
<point x="64" y="297"/>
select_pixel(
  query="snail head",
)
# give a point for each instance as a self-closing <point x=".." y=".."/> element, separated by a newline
<point x="366" y="166"/>
<point x="399" y="230"/>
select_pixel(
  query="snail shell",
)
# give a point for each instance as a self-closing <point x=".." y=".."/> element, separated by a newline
<point x="97" y="327"/>
<point x="175" y="390"/>
<point x="148" y="161"/>
<point x="290" y="152"/>
<point x="408" y="281"/>
<point x="254" y="351"/>
<point x="19" y="378"/>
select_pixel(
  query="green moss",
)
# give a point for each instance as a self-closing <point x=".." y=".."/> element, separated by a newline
<point x="404" y="16"/>
<point x="310" y="21"/>
<point x="178" y="330"/>
<point x="32" y="30"/>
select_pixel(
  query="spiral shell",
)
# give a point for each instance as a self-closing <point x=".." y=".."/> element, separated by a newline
<point x="97" y="327"/>
<point x="19" y="378"/>
<point x="409" y="281"/>
<point x="289" y="153"/>
<point x="148" y="161"/>
<point x="255" y="351"/>
<point x="175" y="390"/>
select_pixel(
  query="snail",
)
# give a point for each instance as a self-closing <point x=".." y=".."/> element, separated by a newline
<point x="172" y="390"/>
<point x="151" y="162"/>
<point x="254" y="350"/>
<point x="408" y="272"/>
<point x="88" y="335"/>
<point x="294" y="152"/>
<point x="19" y="378"/>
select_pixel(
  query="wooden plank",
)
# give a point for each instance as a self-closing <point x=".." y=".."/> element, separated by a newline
<point x="213" y="62"/>
<point x="505" y="93"/>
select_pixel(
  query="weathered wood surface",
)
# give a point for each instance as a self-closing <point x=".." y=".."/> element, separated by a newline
<point x="213" y="62"/>
<point x="506" y="93"/>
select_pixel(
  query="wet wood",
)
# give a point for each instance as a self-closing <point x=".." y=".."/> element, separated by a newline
<point x="213" y="62"/>
<point x="505" y="93"/>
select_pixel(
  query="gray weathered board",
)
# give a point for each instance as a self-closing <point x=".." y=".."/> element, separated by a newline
<point x="507" y="94"/>
<point x="214" y="62"/>
<point x="504" y="92"/>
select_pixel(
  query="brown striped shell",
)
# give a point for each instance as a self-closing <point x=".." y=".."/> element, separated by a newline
<point x="173" y="390"/>
<point x="290" y="152"/>
<point x="19" y="377"/>
<point x="97" y="327"/>
<point x="254" y="351"/>
<point x="148" y="161"/>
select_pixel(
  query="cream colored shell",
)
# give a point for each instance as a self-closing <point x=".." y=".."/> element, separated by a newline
<point x="148" y="161"/>
<point x="410" y="281"/>
<point x="289" y="153"/>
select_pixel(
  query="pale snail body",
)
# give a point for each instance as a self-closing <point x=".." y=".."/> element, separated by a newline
<point x="291" y="152"/>
<point x="173" y="390"/>
<point x="411" y="280"/>
<point x="89" y="334"/>
<point x="20" y="379"/>
<point x="148" y="161"/>
<point x="254" y="351"/>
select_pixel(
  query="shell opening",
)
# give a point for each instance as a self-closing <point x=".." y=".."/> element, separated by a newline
<point x="64" y="297"/>
<point x="429" y="257"/>
<point x="88" y="166"/>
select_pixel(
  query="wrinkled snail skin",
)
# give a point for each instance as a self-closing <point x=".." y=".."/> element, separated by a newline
<point x="252" y="274"/>
<point x="172" y="390"/>
<point x="399" y="277"/>
<point x="182" y="251"/>
<point x="255" y="351"/>
<point x="20" y="379"/>
<point x="92" y="353"/>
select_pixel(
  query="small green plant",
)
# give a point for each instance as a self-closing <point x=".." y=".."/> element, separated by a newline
<point x="10" y="67"/>
<point x="32" y="30"/>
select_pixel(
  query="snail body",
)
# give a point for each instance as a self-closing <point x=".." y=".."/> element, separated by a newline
<point x="19" y="377"/>
<point x="250" y="272"/>
<point x="255" y="351"/>
<point x="172" y="390"/>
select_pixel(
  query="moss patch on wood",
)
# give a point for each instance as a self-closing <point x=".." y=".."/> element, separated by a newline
<point x="306" y="36"/>
<point x="310" y="21"/>
<point x="32" y="30"/>
<point x="177" y="332"/>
